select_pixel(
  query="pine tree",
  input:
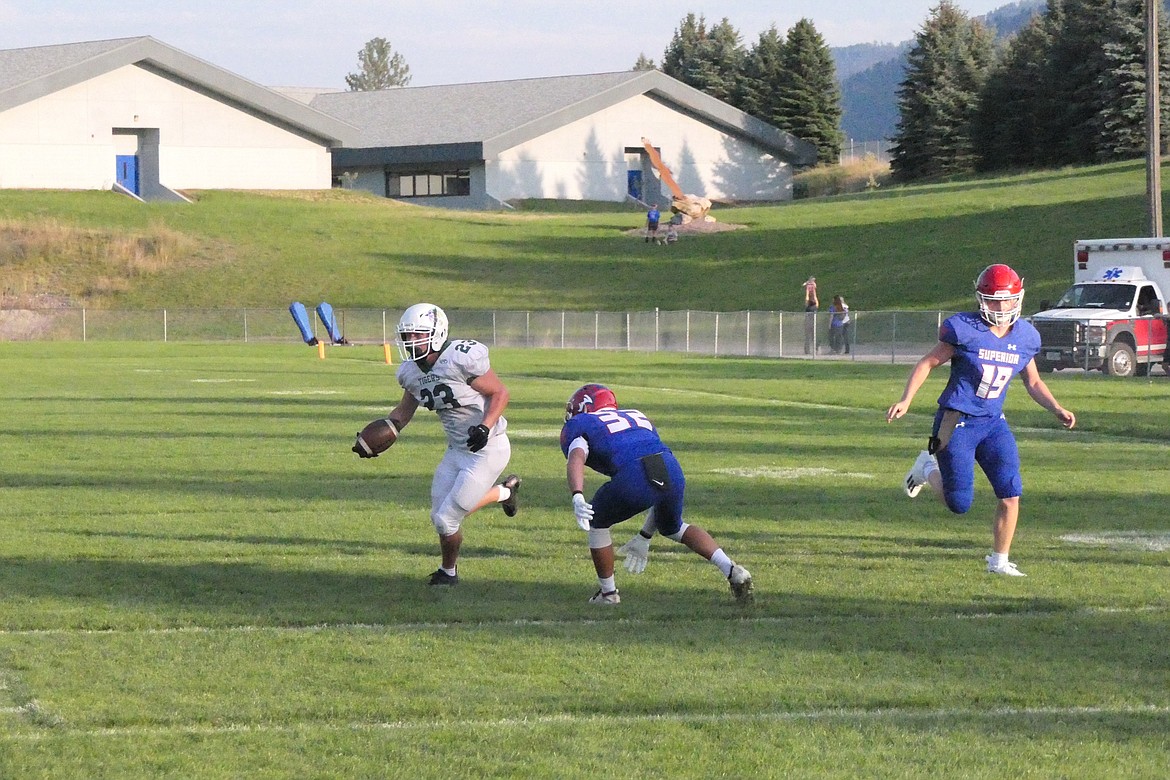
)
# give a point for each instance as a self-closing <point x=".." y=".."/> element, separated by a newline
<point x="809" y="99"/>
<point x="1120" y="123"/>
<point x="760" y="79"/>
<point x="1071" y="89"/>
<point x="379" y="67"/>
<point x="708" y="60"/>
<point x="643" y="63"/>
<point x="725" y="52"/>
<point x="1076" y="63"/>
<point x="939" y="97"/>
<point x="1015" y="110"/>
<point x="682" y="52"/>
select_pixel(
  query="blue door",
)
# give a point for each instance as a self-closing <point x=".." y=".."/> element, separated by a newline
<point x="634" y="184"/>
<point x="128" y="172"/>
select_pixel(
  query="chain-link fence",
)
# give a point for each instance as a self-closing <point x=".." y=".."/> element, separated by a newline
<point x="894" y="336"/>
<point x="858" y="150"/>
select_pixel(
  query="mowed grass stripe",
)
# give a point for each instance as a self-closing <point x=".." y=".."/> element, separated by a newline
<point x="624" y="621"/>
<point x="849" y="714"/>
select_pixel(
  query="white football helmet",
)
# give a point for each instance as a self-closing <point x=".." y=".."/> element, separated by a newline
<point x="422" y="329"/>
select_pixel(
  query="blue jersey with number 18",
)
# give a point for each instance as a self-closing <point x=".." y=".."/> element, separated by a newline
<point x="616" y="438"/>
<point x="984" y="363"/>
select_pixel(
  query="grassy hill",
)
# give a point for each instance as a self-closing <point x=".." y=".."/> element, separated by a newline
<point x="912" y="247"/>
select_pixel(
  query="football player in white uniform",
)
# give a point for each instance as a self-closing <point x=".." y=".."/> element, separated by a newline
<point x="455" y="380"/>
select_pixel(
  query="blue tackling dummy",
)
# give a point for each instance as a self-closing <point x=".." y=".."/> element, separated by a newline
<point x="301" y="318"/>
<point x="325" y="313"/>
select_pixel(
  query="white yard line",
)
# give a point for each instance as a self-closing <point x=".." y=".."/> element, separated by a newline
<point x="775" y="472"/>
<point x="1121" y="540"/>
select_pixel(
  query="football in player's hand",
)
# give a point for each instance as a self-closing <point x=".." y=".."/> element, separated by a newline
<point x="375" y="438"/>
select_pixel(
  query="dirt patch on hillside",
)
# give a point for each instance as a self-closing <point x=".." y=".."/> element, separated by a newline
<point x="693" y="228"/>
<point x="29" y="324"/>
<point x="49" y="263"/>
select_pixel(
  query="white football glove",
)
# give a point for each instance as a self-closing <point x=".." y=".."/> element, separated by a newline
<point x="583" y="510"/>
<point x="637" y="551"/>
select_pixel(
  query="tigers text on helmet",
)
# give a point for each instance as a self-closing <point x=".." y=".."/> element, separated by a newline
<point x="999" y="282"/>
<point x="422" y="329"/>
<point x="589" y="398"/>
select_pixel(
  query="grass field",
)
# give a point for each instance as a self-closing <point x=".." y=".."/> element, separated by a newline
<point x="198" y="579"/>
<point x="914" y="247"/>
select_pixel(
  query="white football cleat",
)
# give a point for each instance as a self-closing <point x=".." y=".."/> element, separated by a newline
<point x="741" y="583"/>
<point x="1007" y="568"/>
<point x="916" y="476"/>
<point x="605" y="599"/>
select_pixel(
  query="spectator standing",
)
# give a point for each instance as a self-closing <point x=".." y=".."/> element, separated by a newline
<point x="811" y="304"/>
<point x="652" y="217"/>
<point x="840" y="326"/>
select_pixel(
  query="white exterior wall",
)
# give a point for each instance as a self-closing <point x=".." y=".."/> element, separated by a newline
<point x="586" y="159"/>
<point x="65" y="140"/>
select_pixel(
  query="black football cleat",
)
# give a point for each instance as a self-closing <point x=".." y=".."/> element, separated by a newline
<point x="512" y="482"/>
<point x="440" y="577"/>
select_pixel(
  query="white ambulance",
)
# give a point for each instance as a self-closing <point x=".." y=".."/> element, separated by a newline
<point x="1113" y="318"/>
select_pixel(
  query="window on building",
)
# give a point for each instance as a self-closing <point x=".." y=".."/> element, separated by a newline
<point x="428" y="185"/>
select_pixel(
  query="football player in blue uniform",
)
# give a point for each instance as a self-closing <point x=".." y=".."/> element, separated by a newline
<point x="623" y="445"/>
<point x="985" y="350"/>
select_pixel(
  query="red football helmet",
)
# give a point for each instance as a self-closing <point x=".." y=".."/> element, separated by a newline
<point x="590" y="398"/>
<point x="999" y="283"/>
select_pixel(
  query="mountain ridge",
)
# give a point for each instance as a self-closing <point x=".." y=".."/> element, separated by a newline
<point x="869" y="73"/>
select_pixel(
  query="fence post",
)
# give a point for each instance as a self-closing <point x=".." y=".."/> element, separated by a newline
<point x="245" y="326"/>
<point x="853" y="338"/>
<point x="384" y="341"/>
<point x="716" y="334"/>
<point x="164" y="325"/>
<point x="747" y="344"/>
<point x="894" y="339"/>
<point x="781" y="335"/>
<point x="562" y="329"/>
<point x="655" y="328"/>
<point x="83" y="324"/>
<point x="596" y="329"/>
<point x="688" y="330"/>
<point x="627" y="331"/>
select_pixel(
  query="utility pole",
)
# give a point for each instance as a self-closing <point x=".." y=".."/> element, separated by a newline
<point x="1153" y="121"/>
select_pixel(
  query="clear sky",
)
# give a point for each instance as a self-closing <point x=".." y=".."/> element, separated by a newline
<point x="315" y="44"/>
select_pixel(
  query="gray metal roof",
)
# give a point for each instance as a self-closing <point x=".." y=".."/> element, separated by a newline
<point x="497" y="115"/>
<point x="28" y="74"/>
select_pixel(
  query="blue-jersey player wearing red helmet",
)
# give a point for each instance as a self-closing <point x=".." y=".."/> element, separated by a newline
<point x="624" y="445"/>
<point x="986" y="349"/>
